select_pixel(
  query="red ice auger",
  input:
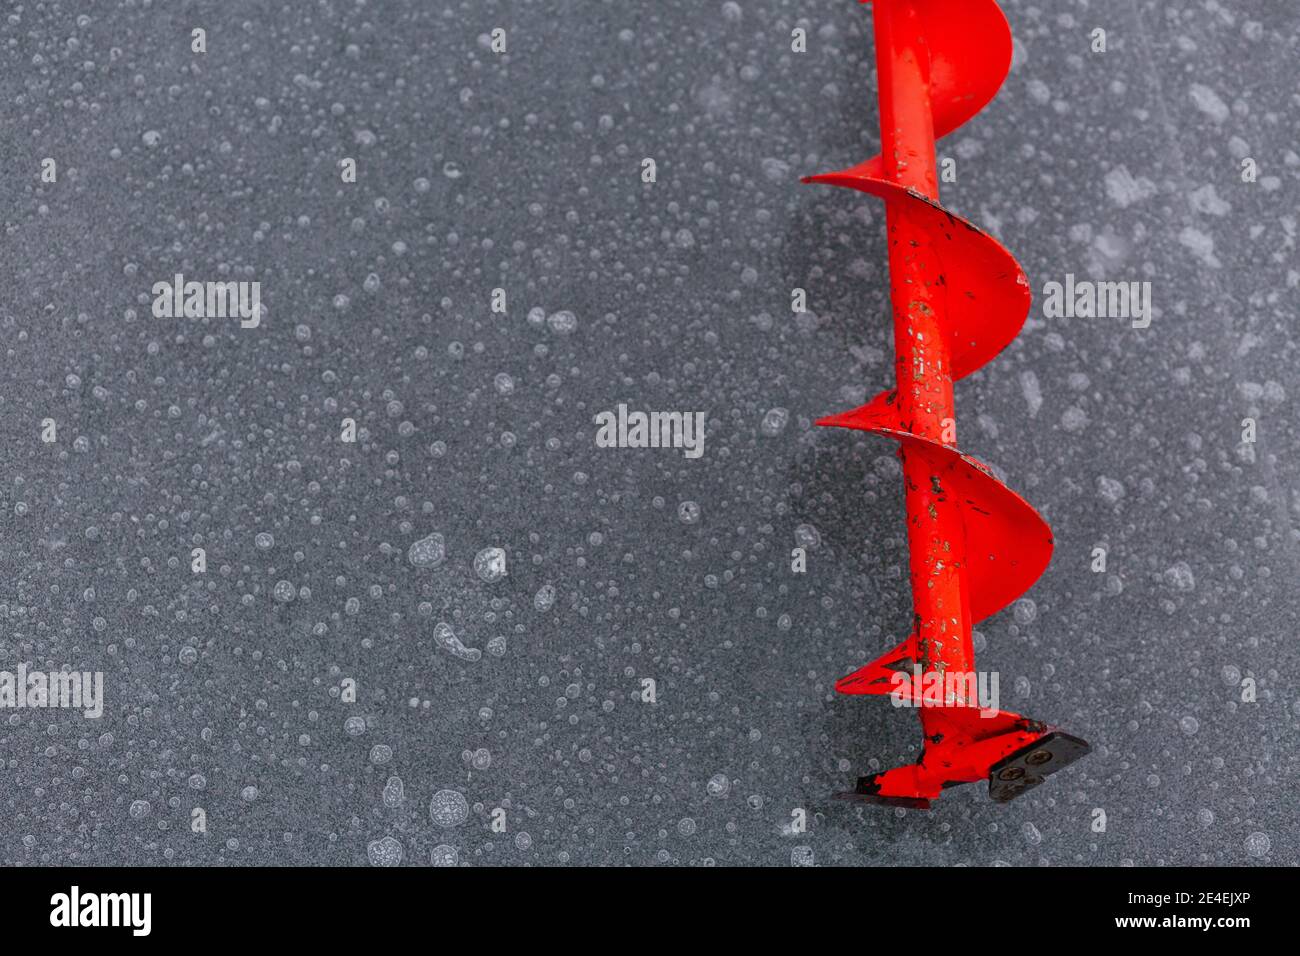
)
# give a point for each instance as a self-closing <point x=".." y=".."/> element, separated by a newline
<point x="958" y="299"/>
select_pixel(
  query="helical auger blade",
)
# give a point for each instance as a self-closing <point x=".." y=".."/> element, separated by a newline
<point x="994" y="545"/>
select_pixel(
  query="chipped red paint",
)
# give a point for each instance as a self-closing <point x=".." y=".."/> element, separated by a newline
<point x="958" y="299"/>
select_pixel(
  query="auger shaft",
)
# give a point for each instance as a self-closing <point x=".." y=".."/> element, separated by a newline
<point x="958" y="299"/>
<point x="936" y="536"/>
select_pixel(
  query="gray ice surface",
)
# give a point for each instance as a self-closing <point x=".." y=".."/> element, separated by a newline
<point x="479" y="691"/>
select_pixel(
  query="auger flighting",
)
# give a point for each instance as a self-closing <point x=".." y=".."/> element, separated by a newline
<point x="958" y="299"/>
